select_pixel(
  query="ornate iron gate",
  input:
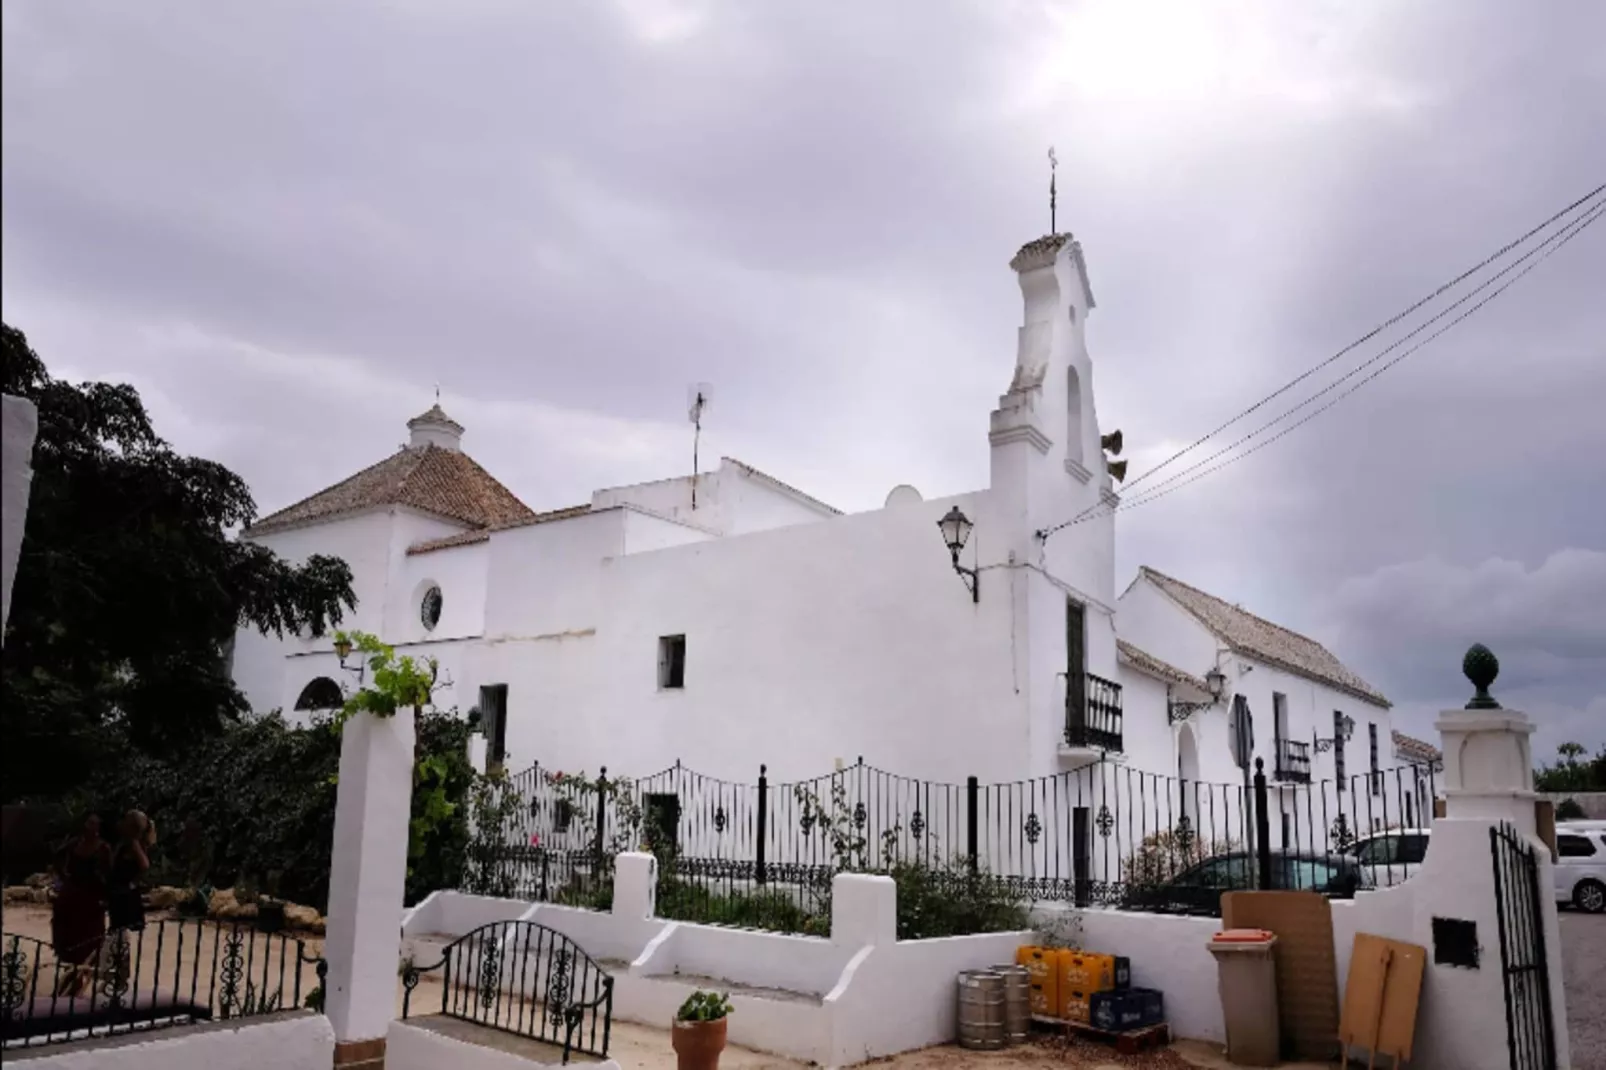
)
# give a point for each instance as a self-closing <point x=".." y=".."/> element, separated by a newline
<point x="1530" y="1033"/>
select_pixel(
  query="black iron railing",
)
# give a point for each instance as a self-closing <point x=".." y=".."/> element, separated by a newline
<point x="1093" y="714"/>
<point x="1292" y="761"/>
<point x="172" y="972"/>
<point x="526" y="979"/>
<point x="762" y="855"/>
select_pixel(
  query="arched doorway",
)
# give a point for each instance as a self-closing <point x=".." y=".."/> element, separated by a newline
<point x="1188" y="771"/>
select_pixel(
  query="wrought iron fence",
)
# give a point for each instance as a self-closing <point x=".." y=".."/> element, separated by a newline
<point x="1530" y="1023"/>
<point x="171" y="972"/>
<point x="762" y="855"/>
<point x="522" y="978"/>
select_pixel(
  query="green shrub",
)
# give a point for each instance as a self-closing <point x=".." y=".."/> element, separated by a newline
<point x="769" y="909"/>
<point x="1569" y="810"/>
<point x="950" y="900"/>
<point x="259" y="799"/>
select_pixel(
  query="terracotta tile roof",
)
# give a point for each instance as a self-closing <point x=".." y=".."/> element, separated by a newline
<point x="1145" y="662"/>
<point x="468" y="538"/>
<point x="447" y="483"/>
<point x="1415" y="750"/>
<point x="1260" y="638"/>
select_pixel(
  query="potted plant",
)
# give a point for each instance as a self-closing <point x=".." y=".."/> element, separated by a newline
<point x="699" y="1032"/>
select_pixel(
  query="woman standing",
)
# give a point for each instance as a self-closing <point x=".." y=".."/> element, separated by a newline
<point x="129" y="862"/>
<point x="77" y="916"/>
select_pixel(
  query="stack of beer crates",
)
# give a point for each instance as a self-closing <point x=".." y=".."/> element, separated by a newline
<point x="1088" y="989"/>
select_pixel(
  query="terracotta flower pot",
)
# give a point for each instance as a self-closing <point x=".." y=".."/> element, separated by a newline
<point x="698" y="1044"/>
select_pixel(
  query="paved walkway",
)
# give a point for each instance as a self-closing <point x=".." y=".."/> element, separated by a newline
<point x="1583" y="961"/>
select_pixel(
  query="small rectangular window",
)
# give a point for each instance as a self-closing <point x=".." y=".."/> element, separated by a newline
<point x="493" y="721"/>
<point x="672" y="661"/>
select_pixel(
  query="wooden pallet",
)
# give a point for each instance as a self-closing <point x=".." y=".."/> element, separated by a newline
<point x="1128" y="1043"/>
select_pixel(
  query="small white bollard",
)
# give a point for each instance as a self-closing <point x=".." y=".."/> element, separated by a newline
<point x="864" y="910"/>
<point x="635" y="885"/>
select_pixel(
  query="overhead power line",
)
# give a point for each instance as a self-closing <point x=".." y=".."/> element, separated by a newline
<point x="1542" y="250"/>
<point x="1092" y="511"/>
<point x="1373" y="333"/>
<point x="1154" y="494"/>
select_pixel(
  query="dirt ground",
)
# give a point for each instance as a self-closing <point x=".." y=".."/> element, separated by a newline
<point x="637" y="1047"/>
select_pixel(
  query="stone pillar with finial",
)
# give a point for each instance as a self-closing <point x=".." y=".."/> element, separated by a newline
<point x="1488" y="760"/>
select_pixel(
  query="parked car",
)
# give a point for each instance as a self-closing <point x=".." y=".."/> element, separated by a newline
<point x="1197" y="889"/>
<point x="1389" y="857"/>
<point x="1581" y="865"/>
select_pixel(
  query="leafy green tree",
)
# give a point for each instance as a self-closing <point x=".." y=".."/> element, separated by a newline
<point x="1571" y="774"/>
<point x="129" y="587"/>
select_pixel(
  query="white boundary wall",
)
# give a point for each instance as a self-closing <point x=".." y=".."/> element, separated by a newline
<point x="408" y="1047"/>
<point x="296" y="1041"/>
<point x="860" y="994"/>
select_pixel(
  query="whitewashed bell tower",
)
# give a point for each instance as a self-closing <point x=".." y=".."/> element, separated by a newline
<point x="1052" y="490"/>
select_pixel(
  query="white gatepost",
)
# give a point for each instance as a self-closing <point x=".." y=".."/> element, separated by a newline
<point x="1488" y="780"/>
<point x="367" y="884"/>
<point x="20" y="421"/>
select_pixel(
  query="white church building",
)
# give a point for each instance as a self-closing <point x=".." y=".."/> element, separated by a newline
<point x="728" y="620"/>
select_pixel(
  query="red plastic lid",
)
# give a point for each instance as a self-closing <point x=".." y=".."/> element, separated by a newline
<point x="1245" y="936"/>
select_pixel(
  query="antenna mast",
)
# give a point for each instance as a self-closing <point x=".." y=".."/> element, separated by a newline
<point x="700" y="395"/>
<point x="1053" y="166"/>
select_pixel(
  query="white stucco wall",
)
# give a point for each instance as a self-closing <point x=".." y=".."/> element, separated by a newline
<point x="363" y="542"/>
<point x="854" y="634"/>
<point x="460" y="572"/>
<point x="731" y="499"/>
<point x="842" y="636"/>
<point x="410" y="1047"/>
<point x="292" y="1041"/>
<point x="1152" y="621"/>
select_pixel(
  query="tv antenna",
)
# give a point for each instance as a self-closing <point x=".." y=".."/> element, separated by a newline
<point x="698" y="395"/>
<point x="1053" y="168"/>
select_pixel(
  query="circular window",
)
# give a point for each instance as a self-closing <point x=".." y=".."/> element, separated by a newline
<point x="429" y="610"/>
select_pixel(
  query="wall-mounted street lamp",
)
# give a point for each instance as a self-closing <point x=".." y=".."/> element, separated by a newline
<point x="1215" y="681"/>
<point x="955" y="527"/>
<point x="343" y="651"/>
<point x="1346" y="729"/>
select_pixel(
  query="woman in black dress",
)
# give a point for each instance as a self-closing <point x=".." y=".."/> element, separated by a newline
<point x="77" y="915"/>
<point x="125" y="907"/>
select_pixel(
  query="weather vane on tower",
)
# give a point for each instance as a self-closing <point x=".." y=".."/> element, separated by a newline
<point x="1053" y="166"/>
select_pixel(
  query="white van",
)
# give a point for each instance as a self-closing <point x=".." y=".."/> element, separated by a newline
<point x="1581" y="865"/>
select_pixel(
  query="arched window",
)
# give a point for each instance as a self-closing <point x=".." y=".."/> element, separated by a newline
<point x="1073" y="426"/>
<point x="320" y="694"/>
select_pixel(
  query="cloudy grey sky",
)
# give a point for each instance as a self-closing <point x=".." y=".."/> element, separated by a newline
<point x="285" y="222"/>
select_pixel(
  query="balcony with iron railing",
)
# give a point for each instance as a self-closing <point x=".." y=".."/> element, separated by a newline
<point x="1093" y="715"/>
<point x="1292" y="761"/>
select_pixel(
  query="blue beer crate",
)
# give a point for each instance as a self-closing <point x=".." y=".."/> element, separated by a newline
<point x="1124" y="1009"/>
